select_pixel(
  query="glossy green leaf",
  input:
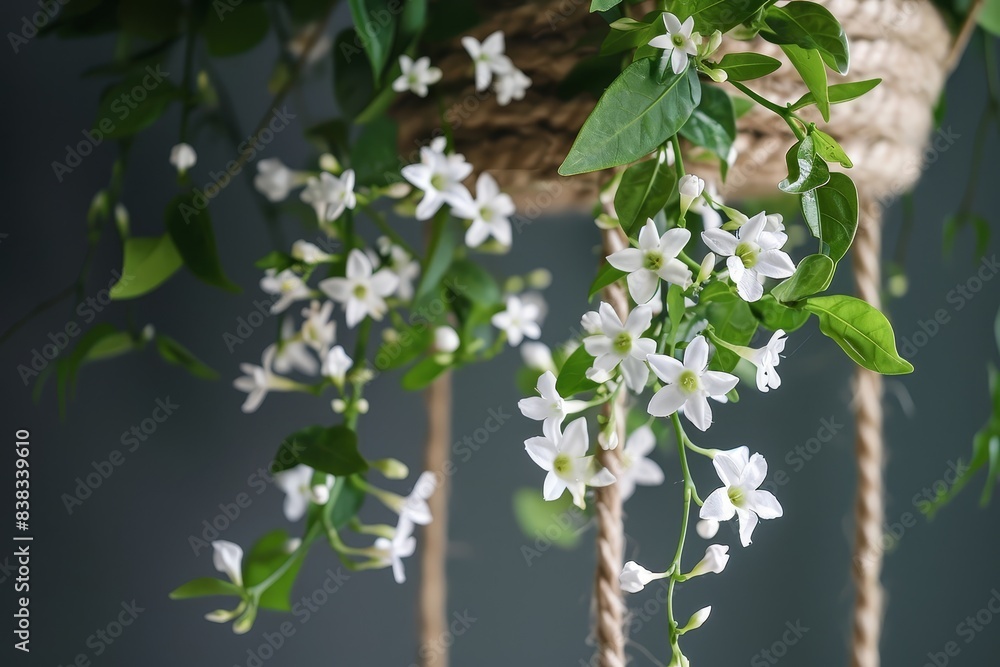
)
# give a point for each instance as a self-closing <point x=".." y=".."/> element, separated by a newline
<point x="572" y="378"/>
<point x="607" y="275"/>
<point x="721" y="15"/>
<point x="233" y="28"/>
<point x="332" y="449"/>
<point x="811" y="27"/>
<point x="174" y="353"/>
<point x="733" y="322"/>
<point x="644" y="189"/>
<point x="148" y="262"/>
<point x="375" y="23"/>
<point x="829" y="149"/>
<point x="190" y="227"/>
<point x="346" y="498"/>
<point x="831" y="211"/>
<point x="713" y="123"/>
<point x="264" y="559"/>
<point x="111" y="345"/>
<point x="806" y="169"/>
<point x="839" y="93"/>
<point x="633" y="117"/>
<point x="861" y="330"/>
<point x="205" y="587"/>
<point x="627" y="34"/>
<point x="809" y="64"/>
<point x="747" y="66"/>
<point x="989" y="17"/>
<point x="812" y="276"/>
<point x="774" y="315"/>
<point x="470" y="281"/>
<point x="603" y="5"/>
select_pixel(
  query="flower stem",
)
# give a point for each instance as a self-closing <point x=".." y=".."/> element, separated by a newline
<point x="786" y="114"/>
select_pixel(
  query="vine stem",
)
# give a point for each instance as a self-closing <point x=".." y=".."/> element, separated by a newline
<point x="786" y="114"/>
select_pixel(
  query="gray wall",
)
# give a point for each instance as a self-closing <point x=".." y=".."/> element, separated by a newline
<point x="129" y="540"/>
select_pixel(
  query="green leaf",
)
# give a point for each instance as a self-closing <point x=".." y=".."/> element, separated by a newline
<point x="839" y="93"/>
<point x="205" y="587"/>
<point x="607" y="275"/>
<point x="747" y="66"/>
<point x="148" y="263"/>
<point x="831" y="211"/>
<point x="231" y="29"/>
<point x="471" y="282"/>
<point x="375" y="155"/>
<point x="572" y="378"/>
<point x="633" y="117"/>
<point x="733" y="322"/>
<point x="346" y="498"/>
<point x="989" y="17"/>
<point x="809" y="64"/>
<point x="277" y="260"/>
<point x="409" y="343"/>
<point x="135" y="103"/>
<point x="828" y="149"/>
<point x="111" y="345"/>
<point x="332" y="449"/>
<point x="644" y="189"/>
<point x="352" y="83"/>
<point x="723" y="15"/>
<point x="175" y="353"/>
<point x="627" y="33"/>
<point x="774" y="315"/>
<point x="861" y="330"/>
<point x="422" y="374"/>
<point x="813" y="275"/>
<point x="375" y="24"/>
<point x="603" y="5"/>
<point x="713" y="123"/>
<point x="265" y="558"/>
<point x="557" y="521"/>
<point x="811" y="27"/>
<point x="806" y="169"/>
<point x="190" y="228"/>
<point x="439" y="257"/>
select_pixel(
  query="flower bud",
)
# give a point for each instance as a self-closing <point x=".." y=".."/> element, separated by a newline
<point x="634" y="577"/>
<point x="446" y="339"/>
<point x="122" y="220"/>
<point x="338" y="405"/>
<point x="398" y="190"/>
<point x="539" y="279"/>
<point x="329" y="163"/>
<point x="697" y="619"/>
<point x="707" y="528"/>
<point x="707" y="264"/>
<point x="391" y="468"/>
<point x="363" y="406"/>
<point x="714" y="562"/>
<point x="691" y="187"/>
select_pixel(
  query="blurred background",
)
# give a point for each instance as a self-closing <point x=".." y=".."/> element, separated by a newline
<point x="129" y="542"/>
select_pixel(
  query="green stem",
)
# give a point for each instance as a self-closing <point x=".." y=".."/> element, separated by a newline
<point x="786" y="114"/>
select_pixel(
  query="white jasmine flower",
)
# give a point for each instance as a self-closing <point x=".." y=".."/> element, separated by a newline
<point x="707" y="528"/>
<point x="318" y="330"/>
<point x="689" y="384"/>
<point x="416" y="75"/>
<point x="591" y="322"/>
<point x="634" y="577"/>
<point x="259" y="380"/>
<point x="679" y="42"/>
<point x="752" y="254"/>
<point x="635" y="467"/>
<point x="740" y="496"/>
<point x="336" y="364"/>
<point x="309" y="253"/>
<point x="227" y="558"/>
<point x="766" y="359"/>
<point x="329" y="195"/>
<point x="439" y="176"/>
<point x="362" y="290"/>
<point x="297" y="485"/>
<point x="274" y="180"/>
<point x="511" y="86"/>
<point x="414" y="506"/>
<point x="402" y="264"/>
<point x="617" y="343"/>
<point x="654" y="259"/>
<point x="391" y="552"/>
<point x="288" y="284"/>
<point x="774" y="224"/>
<point x="537" y="357"/>
<point x="714" y="562"/>
<point x="565" y="460"/>
<point x="488" y="57"/>
<point x="518" y="320"/>
<point x="549" y="407"/>
<point x="293" y="353"/>
<point x="691" y="188"/>
<point x="489" y="212"/>
<point x="446" y="339"/>
<point x="183" y="157"/>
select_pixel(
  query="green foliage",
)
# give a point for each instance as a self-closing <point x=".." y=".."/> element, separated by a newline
<point x="747" y="66"/>
<point x="352" y="82"/>
<point x="553" y="521"/>
<point x="774" y="315"/>
<point x="839" y="93"/>
<point x="861" y="330"/>
<point x="723" y="15"/>
<point x="330" y="449"/>
<point x="375" y="156"/>
<point x="713" y="123"/>
<point x="375" y="24"/>
<point x="265" y="558"/>
<point x="644" y="189"/>
<point x="810" y="66"/>
<point x="806" y="169"/>
<point x="813" y="275"/>
<point x="605" y="276"/>
<point x="153" y="20"/>
<point x="831" y="211"/>
<point x="148" y="262"/>
<point x="811" y="27"/>
<point x="205" y="587"/>
<point x="731" y="319"/>
<point x="422" y="374"/>
<point x="828" y="148"/>
<point x="190" y="228"/>
<point x="231" y="29"/>
<point x="175" y="353"/>
<point x="572" y="378"/>
<point x="135" y="103"/>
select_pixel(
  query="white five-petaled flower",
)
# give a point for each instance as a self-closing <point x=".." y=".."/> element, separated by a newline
<point x="488" y="57"/>
<point x="274" y="180"/>
<point x="679" y="42"/>
<point x="228" y="559"/>
<point x="549" y="407"/>
<point x="740" y="496"/>
<point x="766" y="359"/>
<point x="519" y="320"/>
<point x="510" y="86"/>
<point x="183" y="157"/>
<point x="297" y="485"/>
<point x="402" y="264"/>
<point x="330" y="195"/>
<point x="309" y="253"/>
<point x="288" y="284"/>
<point x="752" y="254"/>
<point x="689" y="384"/>
<point x="336" y="364"/>
<point x="489" y="212"/>
<point x="416" y="75"/>
<point x="565" y="460"/>
<point x="715" y="561"/>
<point x="616" y="343"/>
<point x="655" y="258"/>
<point x="439" y="176"/>
<point x="391" y="552"/>
<point x="635" y="466"/>
<point x="634" y="577"/>
<point x="318" y="330"/>
<point x="362" y="289"/>
<point x="261" y="379"/>
<point x="293" y="353"/>
<point x="414" y="507"/>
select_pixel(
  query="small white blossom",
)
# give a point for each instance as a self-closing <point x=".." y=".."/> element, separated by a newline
<point x="489" y="213"/>
<point x="318" y="330"/>
<point x="391" y="552"/>
<point x="518" y="320"/>
<point x="635" y="467"/>
<point x="752" y="253"/>
<point x="766" y="360"/>
<point x="414" y="506"/>
<point x="653" y="260"/>
<point x="309" y="253"/>
<point x="259" y="380"/>
<point x="565" y="460"/>
<point x="549" y="407"/>
<point x="689" y="384"/>
<point x="679" y="42"/>
<point x="488" y="57"/>
<point x="715" y="561"/>
<point x="288" y="284"/>
<point x="293" y="353"/>
<point x="329" y="195"/>
<point x="274" y="180"/>
<point x="402" y="264"/>
<point x="740" y="494"/>
<point x="439" y="176"/>
<point x="362" y="290"/>
<point x="511" y="86"/>
<point x="183" y="157"/>
<point x="416" y="75"/>
<point x="227" y="558"/>
<point x="635" y="577"/>
<point x="336" y="364"/>
<point x="617" y="344"/>
<point x="297" y="485"/>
